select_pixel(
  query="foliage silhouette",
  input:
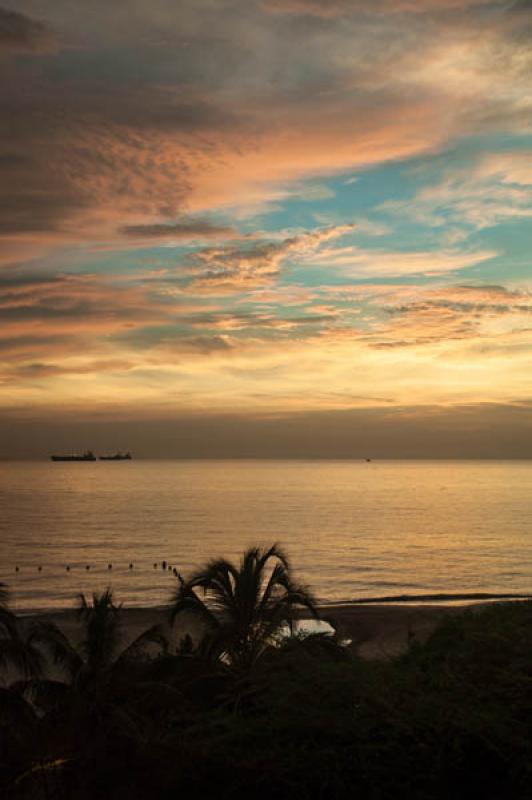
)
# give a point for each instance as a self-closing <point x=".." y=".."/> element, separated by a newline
<point x="245" y="606"/>
<point x="292" y="717"/>
<point x="98" y="657"/>
<point x="18" y="649"/>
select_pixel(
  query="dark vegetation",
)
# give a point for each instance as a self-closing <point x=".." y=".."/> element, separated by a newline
<point x="238" y="712"/>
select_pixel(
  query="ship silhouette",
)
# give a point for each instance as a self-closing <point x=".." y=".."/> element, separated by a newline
<point x="88" y="455"/>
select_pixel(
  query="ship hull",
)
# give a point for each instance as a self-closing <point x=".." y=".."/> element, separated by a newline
<point x="73" y="458"/>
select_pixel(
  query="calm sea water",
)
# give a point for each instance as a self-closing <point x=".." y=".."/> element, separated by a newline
<point x="352" y="529"/>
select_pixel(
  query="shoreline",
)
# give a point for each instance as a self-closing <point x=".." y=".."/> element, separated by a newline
<point x="377" y="629"/>
<point x="422" y="600"/>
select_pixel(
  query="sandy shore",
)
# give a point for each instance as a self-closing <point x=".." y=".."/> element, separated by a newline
<point x="377" y="631"/>
<point x="385" y="630"/>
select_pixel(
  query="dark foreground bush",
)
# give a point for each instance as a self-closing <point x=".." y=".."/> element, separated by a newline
<point x="451" y="719"/>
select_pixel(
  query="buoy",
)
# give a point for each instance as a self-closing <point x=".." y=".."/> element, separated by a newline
<point x="164" y="564"/>
<point x="68" y="569"/>
<point x="131" y="566"/>
<point x="40" y="568"/>
<point x="109" y="566"/>
<point x="155" y="565"/>
<point x="16" y="569"/>
<point x="87" y="567"/>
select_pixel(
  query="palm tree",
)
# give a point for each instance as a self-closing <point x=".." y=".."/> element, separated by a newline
<point x="18" y="647"/>
<point x="102" y="690"/>
<point x="99" y="656"/>
<point x="99" y="698"/>
<point x="245" y="607"/>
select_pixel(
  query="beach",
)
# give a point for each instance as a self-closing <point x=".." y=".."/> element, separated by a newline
<point x="377" y="631"/>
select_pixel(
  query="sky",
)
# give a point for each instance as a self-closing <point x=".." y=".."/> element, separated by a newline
<point x="266" y="227"/>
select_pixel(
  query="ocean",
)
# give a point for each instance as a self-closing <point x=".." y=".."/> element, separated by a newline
<point x="352" y="529"/>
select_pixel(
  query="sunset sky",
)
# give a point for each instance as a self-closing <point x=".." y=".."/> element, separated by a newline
<point x="266" y="227"/>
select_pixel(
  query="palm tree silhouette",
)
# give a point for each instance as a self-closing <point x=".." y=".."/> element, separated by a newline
<point x="18" y="645"/>
<point x="101" y="687"/>
<point x="99" y="657"/>
<point x="245" y="607"/>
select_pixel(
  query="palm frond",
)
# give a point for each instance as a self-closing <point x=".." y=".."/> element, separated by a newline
<point x="22" y="656"/>
<point x="58" y="646"/>
<point x="275" y="551"/>
<point x="137" y="649"/>
<point x="247" y="605"/>
<point x="101" y="621"/>
<point x="186" y="600"/>
<point x="219" y="581"/>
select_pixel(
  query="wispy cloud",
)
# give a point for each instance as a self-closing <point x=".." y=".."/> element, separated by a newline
<point x="362" y="263"/>
<point x="191" y="229"/>
<point x="494" y="190"/>
<point x="237" y="268"/>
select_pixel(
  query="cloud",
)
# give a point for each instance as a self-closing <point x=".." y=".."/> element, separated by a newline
<point x="252" y="114"/>
<point x="41" y="370"/>
<point x="256" y="320"/>
<point x="22" y="34"/>
<point x="363" y="263"/>
<point x="184" y="230"/>
<point x="450" y="313"/>
<point x="85" y="307"/>
<point x="509" y="167"/>
<point x="483" y="297"/>
<point x="92" y="156"/>
<point x="154" y="123"/>
<point x="486" y="70"/>
<point x="494" y="190"/>
<point x="251" y="265"/>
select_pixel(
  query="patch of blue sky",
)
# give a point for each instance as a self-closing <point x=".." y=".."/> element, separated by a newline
<point x="503" y="270"/>
<point x="511" y="239"/>
<point x="363" y="192"/>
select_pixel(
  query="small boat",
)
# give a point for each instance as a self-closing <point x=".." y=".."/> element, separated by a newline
<point x="88" y="455"/>
<point x="117" y="457"/>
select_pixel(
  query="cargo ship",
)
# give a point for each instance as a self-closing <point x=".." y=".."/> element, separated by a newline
<point x="88" y="455"/>
<point x="117" y="457"/>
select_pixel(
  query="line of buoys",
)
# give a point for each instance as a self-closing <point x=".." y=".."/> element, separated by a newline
<point x="164" y="565"/>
